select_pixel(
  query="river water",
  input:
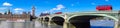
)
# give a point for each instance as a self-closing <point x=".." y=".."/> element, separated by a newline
<point x="93" y="23"/>
<point x="45" y="25"/>
<point x="38" y="24"/>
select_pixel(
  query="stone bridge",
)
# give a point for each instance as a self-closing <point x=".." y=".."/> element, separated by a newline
<point x="80" y="19"/>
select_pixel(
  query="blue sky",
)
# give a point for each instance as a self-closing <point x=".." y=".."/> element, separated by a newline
<point x="53" y="6"/>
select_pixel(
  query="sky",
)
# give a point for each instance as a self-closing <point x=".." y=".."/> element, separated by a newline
<point x="52" y="6"/>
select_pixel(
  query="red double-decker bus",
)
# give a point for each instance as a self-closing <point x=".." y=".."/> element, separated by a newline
<point x="58" y="13"/>
<point x="104" y="8"/>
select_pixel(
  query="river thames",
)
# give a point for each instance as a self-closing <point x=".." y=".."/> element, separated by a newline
<point x="93" y="23"/>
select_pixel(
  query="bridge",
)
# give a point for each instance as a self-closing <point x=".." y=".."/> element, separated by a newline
<point x="80" y="19"/>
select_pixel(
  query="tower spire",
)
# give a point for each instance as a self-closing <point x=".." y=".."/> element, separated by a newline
<point x="33" y="10"/>
<point x="9" y="13"/>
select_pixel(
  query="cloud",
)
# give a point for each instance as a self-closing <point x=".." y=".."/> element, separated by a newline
<point x="58" y="7"/>
<point x="18" y="10"/>
<point x="55" y="9"/>
<point x="7" y="4"/>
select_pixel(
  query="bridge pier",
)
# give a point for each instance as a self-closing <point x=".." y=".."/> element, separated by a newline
<point x="65" y="23"/>
<point x="68" y="25"/>
<point x="43" y="22"/>
<point x="116" y="25"/>
<point x="50" y="21"/>
<point x="71" y="26"/>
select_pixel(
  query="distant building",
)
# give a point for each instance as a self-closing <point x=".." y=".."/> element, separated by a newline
<point x="33" y="10"/>
<point x="11" y="16"/>
<point x="24" y="16"/>
<point x="44" y="14"/>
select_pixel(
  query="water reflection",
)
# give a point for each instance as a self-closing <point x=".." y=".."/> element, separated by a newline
<point x="93" y="23"/>
<point x="38" y="24"/>
<point x="45" y="25"/>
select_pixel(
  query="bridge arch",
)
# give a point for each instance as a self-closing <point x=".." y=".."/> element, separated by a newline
<point x="84" y="22"/>
<point x="58" y="20"/>
<point x="40" y="18"/>
<point x="47" y="19"/>
<point x="114" y="18"/>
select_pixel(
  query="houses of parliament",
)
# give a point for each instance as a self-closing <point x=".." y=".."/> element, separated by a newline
<point x="24" y="16"/>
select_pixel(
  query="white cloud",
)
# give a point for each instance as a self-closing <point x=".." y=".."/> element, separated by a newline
<point x="7" y="4"/>
<point x="54" y="9"/>
<point x="58" y="7"/>
<point x="18" y="10"/>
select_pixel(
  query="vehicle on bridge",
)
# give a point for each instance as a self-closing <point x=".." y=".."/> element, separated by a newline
<point x="104" y="8"/>
<point x="58" y="13"/>
<point x="44" y="14"/>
